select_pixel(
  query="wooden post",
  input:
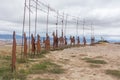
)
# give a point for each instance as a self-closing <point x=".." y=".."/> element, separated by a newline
<point x="24" y="18"/>
<point x="29" y="23"/>
<point x="92" y="35"/>
<point x="14" y="53"/>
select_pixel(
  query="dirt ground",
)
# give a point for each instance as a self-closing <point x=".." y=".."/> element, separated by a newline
<point x="76" y="68"/>
<point x="71" y="60"/>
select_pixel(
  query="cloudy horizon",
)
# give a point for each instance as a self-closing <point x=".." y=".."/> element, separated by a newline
<point x="104" y="14"/>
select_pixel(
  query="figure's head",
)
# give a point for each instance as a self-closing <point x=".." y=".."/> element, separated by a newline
<point x="38" y="36"/>
<point x="24" y="34"/>
<point x="13" y="34"/>
<point x="32" y="35"/>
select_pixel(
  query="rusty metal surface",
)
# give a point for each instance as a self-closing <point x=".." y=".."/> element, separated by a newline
<point x="25" y="46"/>
<point x="78" y="40"/>
<point x="84" y="41"/>
<point x="38" y="44"/>
<point x="72" y="40"/>
<point x="55" y="40"/>
<point x="65" y="40"/>
<point x="47" y="42"/>
<point x="92" y="40"/>
<point x="33" y="44"/>
<point x="14" y="53"/>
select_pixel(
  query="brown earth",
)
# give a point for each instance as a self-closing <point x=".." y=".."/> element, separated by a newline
<point x="76" y="68"/>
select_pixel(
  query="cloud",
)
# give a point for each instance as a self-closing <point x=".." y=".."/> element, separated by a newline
<point x="104" y="14"/>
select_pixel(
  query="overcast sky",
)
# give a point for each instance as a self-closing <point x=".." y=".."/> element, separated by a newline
<point x="104" y="14"/>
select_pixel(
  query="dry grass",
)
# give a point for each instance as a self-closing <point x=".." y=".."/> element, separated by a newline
<point x="43" y="79"/>
<point x="94" y="61"/>
<point x="46" y="67"/>
<point x="95" y="66"/>
<point x="115" y="73"/>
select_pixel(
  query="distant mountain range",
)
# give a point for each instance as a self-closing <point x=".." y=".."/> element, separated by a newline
<point x="9" y="37"/>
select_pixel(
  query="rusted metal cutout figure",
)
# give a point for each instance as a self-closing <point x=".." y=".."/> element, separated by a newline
<point x="38" y="44"/>
<point x="72" y="39"/>
<point x="25" y="46"/>
<point x="33" y="44"/>
<point x="84" y="41"/>
<point x="55" y="40"/>
<point x="14" y="53"/>
<point x="92" y="40"/>
<point x="78" y="41"/>
<point x="61" y="40"/>
<point x="65" y="40"/>
<point x="47" y="42"/>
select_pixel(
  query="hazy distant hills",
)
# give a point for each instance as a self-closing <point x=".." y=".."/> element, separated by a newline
<point x="8" y="36"/>
<point x="19" y="37"/>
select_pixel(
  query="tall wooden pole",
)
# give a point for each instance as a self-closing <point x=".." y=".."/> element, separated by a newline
<point x="47" y="41"/>
<point x="36" y="19"/>
<point x="29" y="23"/>
<point x="56" y="42"/>
<point x="84" y="39"/>
<point x="57" y="24"/>
<point x="47" y="20"/>
<point x="91" y="30"/>
<point x="83" y="27"/>
<point x="24" y="18"/>
<point x="62" y="24"/>
<point x="77" y="27"/>
<point x="92" y="34"/>
<point x="66" y="22"/>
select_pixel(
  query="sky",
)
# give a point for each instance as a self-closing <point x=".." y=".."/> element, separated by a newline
<point x="103" y="14"/>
